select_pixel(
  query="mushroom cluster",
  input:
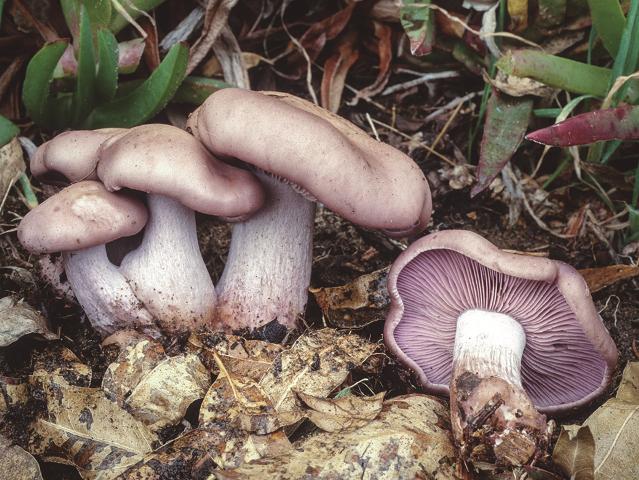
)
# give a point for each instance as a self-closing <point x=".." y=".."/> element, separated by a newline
<point x="507" y="336"/>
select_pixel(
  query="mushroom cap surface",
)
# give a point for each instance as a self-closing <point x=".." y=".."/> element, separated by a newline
<point x="165" y="160"/>
<point x="359" y="178"/>
<point x="569" y="356"/>
<point x="72" y="154"/>
<point x="80" y="216"/>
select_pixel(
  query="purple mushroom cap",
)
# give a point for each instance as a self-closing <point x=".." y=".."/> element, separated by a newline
<point x="569" y="356"/>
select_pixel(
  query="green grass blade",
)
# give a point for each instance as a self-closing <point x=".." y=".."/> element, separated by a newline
<point x="107" y="76"/>
<point x="1" y="10"/>
<point x="609" y="20"/>
<point x="147" y="99"/>
<point x="134" y="8"/>
<point x="557" y="72"/>
<point x="35" y="89"/>
<point x="85" y="82"/>
<point x="7" y="131"/>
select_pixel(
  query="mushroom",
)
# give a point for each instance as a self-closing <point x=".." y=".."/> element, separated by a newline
<point x="167" y="272"/>
<point x="72" y="154"/>
<point x="507" y="335"/>
<point x="79" y="221"/>
<point x="302" y="154"/>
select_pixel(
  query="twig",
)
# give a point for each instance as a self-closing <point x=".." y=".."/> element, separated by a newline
<point x="370" y="122"/>
<point x="443" y="131"/>
<point x="450" y="105"/>
<point x="425" y="78"/>
<point x="421" y="144"/>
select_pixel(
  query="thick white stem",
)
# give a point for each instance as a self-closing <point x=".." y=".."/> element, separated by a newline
<point x="489" y="344"/>
<point x="103" y="293"/>
<point x="167" y="272"/>
<point x="268" y="270"/>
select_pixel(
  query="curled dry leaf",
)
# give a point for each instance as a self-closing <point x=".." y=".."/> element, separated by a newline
<point x="356" y="304"/>
<point x="615" y="428"/>
<point x="336" y="69"/>
<point x="519" y="86"/>
<point x="11" y="165"/>
<point x="342" y="414"/>
<point x="18" y="319"/>
<point x="165" y="393"/>
<point x="81" y="427"/>
<point x="574" y="452"/>
<point x="58" y="363"/>
<point x="408" y="440"/>
<point x="248" y="358"/>
<point x="316" y="364"/>
<point x="602" y="277"/>
<point x="16" y="463"/>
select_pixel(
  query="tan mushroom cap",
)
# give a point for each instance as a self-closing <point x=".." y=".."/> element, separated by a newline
<point x="72" y="154"/>
<point x="165" y="160"/>
<point x="80" y="216"/>
<point x="359" y="178"/>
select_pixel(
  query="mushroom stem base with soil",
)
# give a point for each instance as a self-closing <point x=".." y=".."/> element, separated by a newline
<point x="103" y="292"/>
<point x="167" y="272"/>
<point x="267" y="274"/>
<point x="491" y="414"/>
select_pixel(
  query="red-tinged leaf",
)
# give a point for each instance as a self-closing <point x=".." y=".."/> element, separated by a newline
<point x="335" y="70"/>
<point x="506" y="123"/>
<point x="621" y="123"/>
<point x="152" y="50"/>
<point x="418" y="21"/>
<point x="319" y="33"/>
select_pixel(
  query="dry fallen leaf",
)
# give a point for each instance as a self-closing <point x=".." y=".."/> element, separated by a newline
<point x="59" y="363"/>
<point x="615" y="428"/>
<point x="82" y="427"/>
<point x="519" y="86"/>
<point x="317" y="363"/>
<point x="602" y="277"/>
<point x="133" y="363"/>
<point x="18" y="319"/>
<point x="11" y="165"/>
<point x="248" y="358"/>
<point x="13" y="393"/>
<point x="356" y="304"/>
<point x="574" y="452"/>
<point x="164" y="394"/>
<point x="342" y="414"/>
<point x="17" y="464"/>
<point x="236" y="402"/>
<point x="408" y="440"/>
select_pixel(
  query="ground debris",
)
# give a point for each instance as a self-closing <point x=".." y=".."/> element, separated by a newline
<point x="18" y="319"/>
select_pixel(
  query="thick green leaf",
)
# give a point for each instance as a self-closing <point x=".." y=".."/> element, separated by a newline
<point x="7" y="131"/>
<point x="147" y="99"/>
<point x="107" y="76"/>
<point x="506" y="123"/>
<point x="35" y="90"/>
<point x="418" y="21"/>
<point x="609" y="20"/>
<point x="85" y="83"/>
<point x="134" y="8"/>
<point x="195" y="90"/>
<point x="557" y="72"/>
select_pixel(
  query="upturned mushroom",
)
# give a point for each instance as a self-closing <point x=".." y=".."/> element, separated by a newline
<point x="167" y="272"/>
<point x="507" y="335"/>
<point x="302" y="154"/>
<point x="79" y="221"/>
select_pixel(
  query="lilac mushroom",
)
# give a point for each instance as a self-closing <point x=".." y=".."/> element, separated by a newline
<point x="79" y="221"/>
<point x="302" y="153"/>
<point x="180" y="176"/>
<point x="507" y="335"/>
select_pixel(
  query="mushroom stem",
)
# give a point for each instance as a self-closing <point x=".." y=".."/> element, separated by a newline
<point x="103" y="292"/>
<point x="167" y="272"/>
<point x="268" y="270"/>
<point x="490" y="411"/>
